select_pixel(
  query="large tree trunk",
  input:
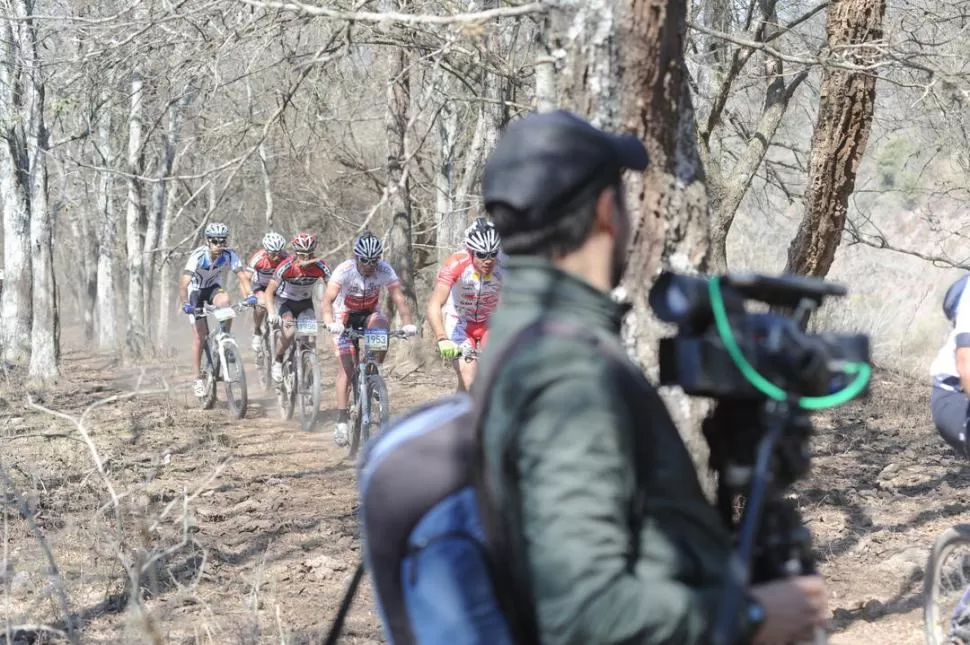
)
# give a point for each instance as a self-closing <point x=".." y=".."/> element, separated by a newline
<point x="643" y="87"/>
<point x="108" y="284"/>
<point x="846" y="103"/>
<point x="135" y="223"/>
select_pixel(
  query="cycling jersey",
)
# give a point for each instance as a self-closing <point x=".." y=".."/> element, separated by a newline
<point x="473" y="297"/>
<point x="207" y="272"/>
<point x="263" y="267"/>
<point x="297" y="279"/>
<point x="359" y="292"/>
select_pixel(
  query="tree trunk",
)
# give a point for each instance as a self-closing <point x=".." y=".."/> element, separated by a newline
<point x="16" y="302"/>
<point x="643" y="87"/>
<point x="449" y="222"/>
<point x="398" y="187"/>
<point x="846" y="103"/>
<point x="727" y="192"/>
<point x="158" y="206"/>
<point x="267" y="185"/>
<point x="108" y="285"/>
<point x="135" y="223"/>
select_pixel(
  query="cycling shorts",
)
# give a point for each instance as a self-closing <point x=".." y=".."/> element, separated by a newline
<point x="461" y="332"/>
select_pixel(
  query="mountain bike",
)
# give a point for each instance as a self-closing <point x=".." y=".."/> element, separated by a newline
<point x="221" y="361"/>
<point x="268" y="339"/>
<point x="370" y="406"/>
<point x="947" y="581"/>
<point x="301" y="372"/>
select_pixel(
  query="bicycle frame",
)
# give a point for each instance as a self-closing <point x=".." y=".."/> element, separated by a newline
<point x="364" y="364"/>
<point x="220" y="336"/>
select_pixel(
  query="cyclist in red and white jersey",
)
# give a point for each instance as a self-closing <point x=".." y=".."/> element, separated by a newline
<point x="262" y="265"/>
<point x="351" y="301"/>
<point x="466" y="293"/>
<point x="202" y="283"/>
<point x="292" y="286"/>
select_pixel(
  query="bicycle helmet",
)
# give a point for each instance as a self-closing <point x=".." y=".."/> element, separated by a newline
<point x="481" y="237"/>
<point x="368" y="246"/>
<point x="273" y="242"/>
<point x="304" y="242"/>
<point x="216" y="229"/>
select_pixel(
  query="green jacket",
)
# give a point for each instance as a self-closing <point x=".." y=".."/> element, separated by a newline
<point x="576" y="415"/>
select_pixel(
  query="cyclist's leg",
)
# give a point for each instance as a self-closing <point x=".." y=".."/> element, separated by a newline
<point x="476" y="339"/>
<point x="221" y="299"/>
<point x="951" y="411"/>
<point x="378" y="320"/>
<point x="259" y="314"/>
<point x="455" y="330"/>
<point x="288" y="311"/>
<point x="346" y="358"/>
<point x="197" y="299"/>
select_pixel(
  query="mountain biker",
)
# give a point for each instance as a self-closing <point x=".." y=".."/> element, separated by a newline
<point x="950" y="373"/>
<point x="351" y="301"/>
<point x="467" y="287"/>
<point x="262" y="265"/>
<point x="202" y="283"/>
<point x="292" y="284"/>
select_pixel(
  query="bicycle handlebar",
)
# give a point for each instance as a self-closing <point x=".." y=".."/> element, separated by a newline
<point x="207" y="309"/>
<point x="354" y="334"/>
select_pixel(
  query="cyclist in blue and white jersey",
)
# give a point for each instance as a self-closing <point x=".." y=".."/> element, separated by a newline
<point x="202" y="283"/>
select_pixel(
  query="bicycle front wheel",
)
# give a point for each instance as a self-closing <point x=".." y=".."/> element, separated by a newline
<point x="309" y="390"/>
<point x="209" y="374"/>
<point x="946" y="588"/>
<point x="236" y="395"/>
<point x="264" y="361"/>
<point x="379" y="406"/>
<point x="355" y="417"/>
<point x="286" y="389"/>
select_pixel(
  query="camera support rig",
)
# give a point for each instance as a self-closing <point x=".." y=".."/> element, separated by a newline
<point x="766" y="374"/>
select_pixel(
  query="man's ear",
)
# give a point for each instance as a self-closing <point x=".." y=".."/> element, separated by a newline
<point x="605" y="219"/>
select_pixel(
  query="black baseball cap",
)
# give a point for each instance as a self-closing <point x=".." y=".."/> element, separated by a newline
<point x="546" y="160"/>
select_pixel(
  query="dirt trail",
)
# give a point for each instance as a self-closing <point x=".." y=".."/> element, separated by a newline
<point x="245" y="531"/>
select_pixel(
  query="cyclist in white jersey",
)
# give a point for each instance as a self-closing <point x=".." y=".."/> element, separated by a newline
<point x="351" y="300"/>
<point x="202" y="283"/>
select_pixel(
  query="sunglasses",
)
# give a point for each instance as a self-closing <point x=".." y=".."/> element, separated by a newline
<point x="368" y="260"/>
<point x="486" y="256"/>
<point x="217" y="241"/>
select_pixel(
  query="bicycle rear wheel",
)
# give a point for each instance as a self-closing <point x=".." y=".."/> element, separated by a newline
<point x="946" y="582"/>
<point x="236" y="395"/>
<point x="308" y="391"/>
<point x="379" y="406"/>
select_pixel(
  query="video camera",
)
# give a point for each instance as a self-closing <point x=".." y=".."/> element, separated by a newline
<point x="776" y="347"/>
<point x="766" y="372"/>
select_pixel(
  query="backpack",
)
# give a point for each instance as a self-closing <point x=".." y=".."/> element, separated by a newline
<point x="435" y="567"/>
<point x="951" y="299"/>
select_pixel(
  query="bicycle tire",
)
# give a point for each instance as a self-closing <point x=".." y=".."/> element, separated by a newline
<point x="264" y="370"/>
<point x="379" y="404"/>
<point x="286" y="396"/>
<point x="208" y="372"/>
<point x="235" y="382"/>
<point x="944" y="544"/>
<point x="353" y="444"/>
<point x="309" y="390"/>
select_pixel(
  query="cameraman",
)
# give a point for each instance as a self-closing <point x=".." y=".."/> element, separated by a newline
<point x="553" y="187"/>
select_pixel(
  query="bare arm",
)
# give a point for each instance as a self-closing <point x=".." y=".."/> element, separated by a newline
<point x="184" y="286"/>
<point x="333" y="290"/>
<point x="963" y="367"/>
<point x="245" y="282"/>
<point x="435" y="303"/>
<point x="271" y="296"/>
<point x="401" y="303"/>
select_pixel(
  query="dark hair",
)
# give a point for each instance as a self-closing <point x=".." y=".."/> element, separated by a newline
<point x="563" y="234"/>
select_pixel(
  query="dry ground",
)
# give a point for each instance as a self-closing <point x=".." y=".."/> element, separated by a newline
<point x="244" y="532"/>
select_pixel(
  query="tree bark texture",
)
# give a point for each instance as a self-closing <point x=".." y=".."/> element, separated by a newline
<point x="846" y="103"/>
<point x="108" y="284"/>
<point x="135" y="222"/>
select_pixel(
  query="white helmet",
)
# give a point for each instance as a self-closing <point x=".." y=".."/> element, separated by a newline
<point x="216" y="229"/>
<point x="274" y="242"/>
<point x="481" y="237"/>
<point x="368" y="246"/>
